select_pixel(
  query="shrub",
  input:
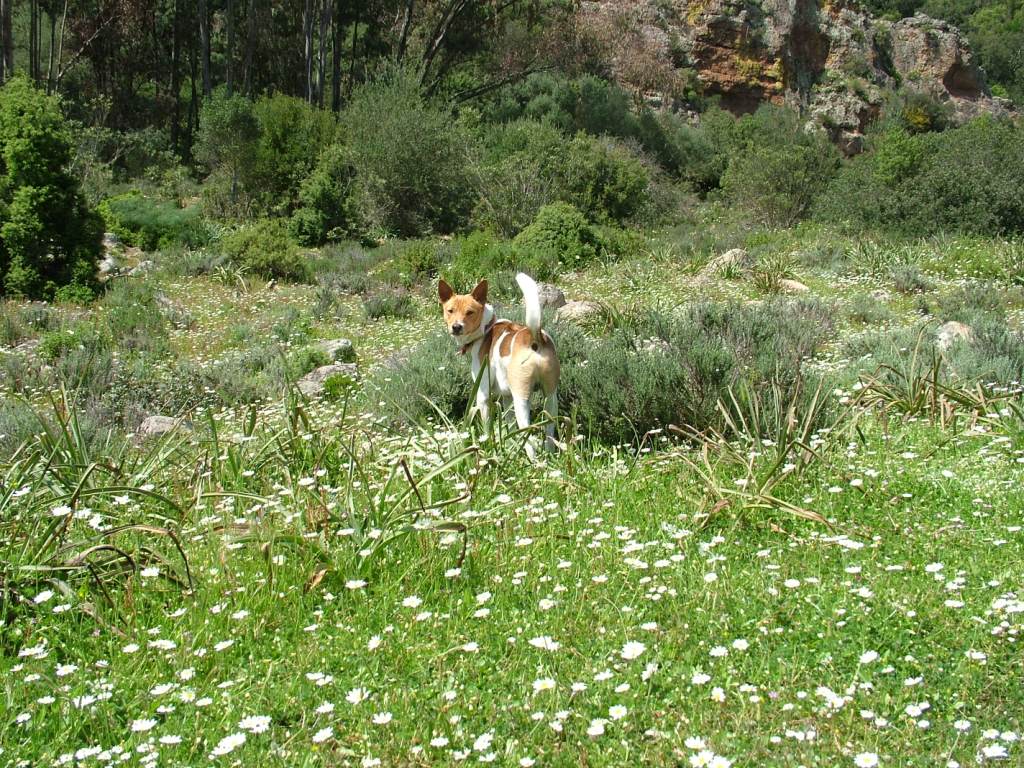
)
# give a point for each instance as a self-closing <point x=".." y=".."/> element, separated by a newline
<point x="48" y="235"/>
<point x="907" y="278"/>
<point x="964" y="179"/>
<point x="430" y="376"/>
<point x="226" y="144"/>
<point x="153" y="224"/>
<point x="559" y="235"/>
<point x="603" y="179"/>
<point x="409" y="156"/>
<point x="266" y="249"/>
<point x="389" y="302"/>
<point x="292" y="136"/>
<point x="778" y="170"/>
<point x="865" y="308"/>
<point x="326" y="209"/>
<point x="651" y="371"/>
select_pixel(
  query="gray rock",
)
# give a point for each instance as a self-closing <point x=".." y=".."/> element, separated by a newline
<point x="108" y="267"/>
<point x="312" y="383"/>
<point x="154" y="426"/>
<point x="110" y="240"/>
<point x="736" y="257"/>
<point x="338" y="350"/>
<point x="142" y="268"/>
<point x="551" y="297"/>
<point x="952" y="332"/>
<point x="793" y="286"/>
<point x="578" y="311"/>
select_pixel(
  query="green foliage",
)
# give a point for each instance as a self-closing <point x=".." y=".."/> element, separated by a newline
<point x="409" y="156"/>
<point x="48" y="235"/>
<point x="389" y="302"/>
<point x="292" y="136"/>
<point x="603" y="179"/>
<point x="153" y="224"/>
<point x="779" y="169"/>
<point x="559" y="235"/>
<point x="964" y="179"/>
<point x="651" y="371"/>
<point x="326" y="209"/>
<point x="265" y="248"/>
<point x="260" y="153"/>
<point x="431" y="376"/>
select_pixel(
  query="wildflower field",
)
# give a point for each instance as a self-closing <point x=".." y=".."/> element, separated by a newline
<point x="830" y="578"/>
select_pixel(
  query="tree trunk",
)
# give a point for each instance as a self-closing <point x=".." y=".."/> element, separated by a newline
<point x="176" y="79"/>
<point x="6" y="40"/>
<point x="230" y="54"/>
<point x="325" y="31"/>
<point x="352" y="61"/>
<point x="307" y="33"/>
<point x="250" y="45"/>
<point x="336" y="56"/>
<point x="204" y="44"/>
<point x="33" y="9"/>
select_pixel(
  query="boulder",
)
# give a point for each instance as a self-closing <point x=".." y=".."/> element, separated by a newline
<point x="952" y="332"/>
<point x="155" y="426"/>
<point x="578" y="311"/>
<point x="338" y="350"/>
<point x="792" y="286"/>
<point x="736" y="257"/>
<point x="551" y="297"/>
<point x="108" y="266"/>
<point x="312" y="383"/>
<point x="142" y="268"/>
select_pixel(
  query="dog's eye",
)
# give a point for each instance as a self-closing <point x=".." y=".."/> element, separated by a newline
<point x="450" y="311"/>
<point x="470" y="311"/>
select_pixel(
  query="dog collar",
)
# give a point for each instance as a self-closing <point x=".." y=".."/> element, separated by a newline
<point x="465" y="347"/>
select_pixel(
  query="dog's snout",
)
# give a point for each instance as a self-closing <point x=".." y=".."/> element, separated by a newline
<point x="456" y="329"/>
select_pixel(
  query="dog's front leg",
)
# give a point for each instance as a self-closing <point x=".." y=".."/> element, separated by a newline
<point x="483" y="393"/>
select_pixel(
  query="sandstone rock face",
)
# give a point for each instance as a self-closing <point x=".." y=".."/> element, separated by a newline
<point x="832" y="59"/>
<point x="312" y="383"/>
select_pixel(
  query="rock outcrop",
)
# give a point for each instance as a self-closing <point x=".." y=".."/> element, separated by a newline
<point x="312" y="384"/>
<point x="832" y="60"/>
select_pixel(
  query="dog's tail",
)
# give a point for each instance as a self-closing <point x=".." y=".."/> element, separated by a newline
<point x="531" y="298"/>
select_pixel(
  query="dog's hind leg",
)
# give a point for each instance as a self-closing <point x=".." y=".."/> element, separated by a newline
<point x="551" y="407"/>
<point x="522" y="408"/>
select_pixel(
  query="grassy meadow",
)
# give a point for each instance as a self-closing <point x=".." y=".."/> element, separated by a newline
<point x="828" y="575"/>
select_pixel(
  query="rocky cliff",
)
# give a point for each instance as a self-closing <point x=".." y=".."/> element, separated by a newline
<point x="832" y="60"/>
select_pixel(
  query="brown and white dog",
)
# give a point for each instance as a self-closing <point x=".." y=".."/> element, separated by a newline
<point x="519" y="358"/>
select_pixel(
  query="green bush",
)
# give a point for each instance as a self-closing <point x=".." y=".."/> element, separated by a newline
<point x="153" y="224"/>
<point x="432" y="375"/>
<point x="266" y="249"/>
<point x="603" y="179"/>
<point x="259" y="153"/>
<point x="326" y="209"/>
<point x="559" y="235"/>
<point x="964" y="179"/>
<point x="389" y="302"/>
<point x="651" y="371"/>
<point x="777" y="169"/>
<point x="410" y="157"/>
<point x="48" y="236"/>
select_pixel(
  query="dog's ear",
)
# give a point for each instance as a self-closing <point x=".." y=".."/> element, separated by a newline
<point x="444" y="291"/>
<point x="480" y="292"/>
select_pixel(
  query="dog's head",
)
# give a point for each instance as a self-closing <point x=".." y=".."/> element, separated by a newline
<point x="463" y="313"/>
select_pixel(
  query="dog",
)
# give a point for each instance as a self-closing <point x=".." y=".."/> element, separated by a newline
<point x="519" y="358"/>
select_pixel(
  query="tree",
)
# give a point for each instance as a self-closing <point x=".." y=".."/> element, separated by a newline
<point x="49" y="238"/>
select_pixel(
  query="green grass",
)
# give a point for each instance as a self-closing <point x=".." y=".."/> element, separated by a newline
<point x="320" y="576"/>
